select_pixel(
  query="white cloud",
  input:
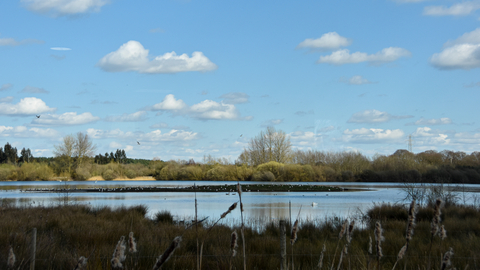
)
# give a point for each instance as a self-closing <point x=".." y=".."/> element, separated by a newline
<point x="34" y="90"/>
<point x="14" y="42"/>
<point x="24" y="132"/>
<point x="159" y="125"/>
<point x="60" y="49"/>
<point x="302" y="139"/>
<point x="65" y="119"/>
<point x="344" y="56"/>
<point x="26" y="106"/>
<point x="372" y="135"/>
<point x="440" y="121"/>
<point x="459" y="9"/>
<point x="272" y="122"/>
<point x="170" y="103"/>
<point x="64" y="7"/>
<point x="6" y="86"/>
<point x="328" y="41"/>
<point x="425" y="136"/>
<point x="6" y="99"/>
<point x="235" y="98"/>
<point x="132" y="56"/>
<point x="133" y="117"/>
<point x="462" y="53"/>
<point x="374" y="116"/>
<point x="153" y="136"/>
<point x="205" y="110"/>
<point x="356" y="80"/>
<point x="115" y="145"/>
<point x="467" y="138"/>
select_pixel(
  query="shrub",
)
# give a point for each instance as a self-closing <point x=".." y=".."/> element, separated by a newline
<point x="163" y="217"/>
<point x="82" y="173"/>
<point x="277" y="169"/>
<point x="221" y="173"/>
<point x="263" y="176"/>
<point x="108" y="175"/>
<point x="6" y="171"/>
<point x="130" y="174"/>
<point x="34" y="171"/>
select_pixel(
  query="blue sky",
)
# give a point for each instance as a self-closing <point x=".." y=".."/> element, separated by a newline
<point x="194" y="78"/>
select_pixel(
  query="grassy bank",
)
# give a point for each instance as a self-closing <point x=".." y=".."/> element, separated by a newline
<point x="64" y="233"/>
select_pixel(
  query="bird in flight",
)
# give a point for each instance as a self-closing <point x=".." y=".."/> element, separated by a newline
<point x="38" y="116"/>
<point x="138" y="142"/>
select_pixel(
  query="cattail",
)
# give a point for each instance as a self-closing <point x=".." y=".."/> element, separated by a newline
<point x="379" y="238"/>
<point x="132" y="245"/>
<point x="344" y="252"/>
<point x="349" y="231"/>
<point x="119" y="254"/>
<point x="168" y="253"/>
<point x="436" y="218"/>
<point x="241" y="207"/>
<point x="342" y="231"/>
<point x="11" y="258"/>
<point x="411" y="222"/>
<point x="239" y="189"/>
<point x="230" y="209"/>
<point x="81" y="264"/>
<point x="370" y="246"/>
<point x="233" y="243"/>
<point x="443" y="233"/>
<point x="320" y="262"/>
<point x="402" y="252"/>
<point x="293" y="237"/>
<point x="446" y="259"/>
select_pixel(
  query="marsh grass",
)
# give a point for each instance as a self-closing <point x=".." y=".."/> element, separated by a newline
<point x="66" y="232"/>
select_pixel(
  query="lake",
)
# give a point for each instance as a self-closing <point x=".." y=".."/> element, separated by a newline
<point x="258" y="206"/>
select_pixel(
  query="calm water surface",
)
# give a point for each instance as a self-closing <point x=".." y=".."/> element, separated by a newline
<point x="257" y="205"/>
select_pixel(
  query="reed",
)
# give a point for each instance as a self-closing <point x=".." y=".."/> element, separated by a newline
<point x="132" y="244"/>
<point x="81" y="263"/>
<point x="446" y="262"/>
<point x="162" y="259"/>
<point x="340" y="236"/>
<point x="378" y="241"/>
<point x="434" y="227"/>
<point x="320" y="261"/>
<point x="233" y="246"/>
<point x="242" y="230"/>
<point x="11" y="258"/>
<point x="119" y="254"/>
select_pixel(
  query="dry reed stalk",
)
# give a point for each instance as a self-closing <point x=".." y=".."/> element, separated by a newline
<point x="132" y="245"/>
<point x="378" y="241"/>
<point x="443" y="233"/>
<point x="239" y="190"/>
<point x="446" y="262"/>
<point x="411" y="222"/>
<point x="435" y="227"/>
<point x="81" y="264"/>
<point x="370" y="245"/>
<point x="293" y="237"/>
<point x="400" y="255"/>
<point x="340" y="236"/>
<point x="344" y="252"/>
<point x="168" y="253"/>
<point x="320" y="262"/>
<point x="11" y="258"/>
<point x="119" y="254"/>
<point x="233" y="243"/>
<point x="349" y="231"/>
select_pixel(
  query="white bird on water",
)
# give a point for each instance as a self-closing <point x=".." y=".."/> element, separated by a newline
<point x="314" y="204"/>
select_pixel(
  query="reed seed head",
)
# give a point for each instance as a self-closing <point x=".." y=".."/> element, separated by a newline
<point x="119" y="253"/>
<point x="233" y="243"/>
<point x="239" y="189"/>
<point x="370" y="245"/>
<point x="411" y="222"/>
<point x="11" y="258"/>
<point x="446" y="262"/>
<point x="81" y="264"/>
<point x="402" y="252"/>
<point x="230" y="209"/>
<point x="342" y="231"/>
<point x="293" y="237"/>
<point x="443" y="233"/>
<point x="379" y="238"/>
<point x="350" y="231"/>
<point x="132" y="245"/>
<point x="168" y="253"/>
<point x="320" y="262"/>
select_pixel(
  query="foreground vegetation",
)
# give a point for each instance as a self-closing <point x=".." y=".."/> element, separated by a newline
<point x="67" y="232"/>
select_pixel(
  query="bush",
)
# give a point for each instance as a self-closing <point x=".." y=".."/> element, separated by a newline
<point x="108" y="175"/>
<point x="130" y="174"/>
<point x="34" y="171"/>
<point x="82" y="173"/>
<point x="163" y="217"/>
<point x="6" y="172"/>
<point x="263" y="176"/>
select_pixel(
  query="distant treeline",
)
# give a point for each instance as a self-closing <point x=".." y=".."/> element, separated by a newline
<point x="316" y="166"/>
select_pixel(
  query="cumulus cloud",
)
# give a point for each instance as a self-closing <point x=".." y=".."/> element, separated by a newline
<point x="153" y="136"/>
<point x="439" y="121"/>
<point x="235" y="98"/>
<point x="425" y="136"/>
<point x="374" y="116"/>
<point x="458" y="9"/>
<point x="132" y="56"/>
<point x="6" y="86"/>
<point x="462" y="53"/>
<point x="372" y="135"/>
<point x="65" y="119"/>
<point x="26" y="106"/>
<point x="64" y="7"/>
<point x="344" y="56"/>
<point x="14" y="42"/>
<point x="34" y="90"/>
<point x="205" y="110"/>
<point x="328" y="41"/>
<point x="24" y="132"/>
<point x="272" y="122"/>
<point x="133" y="117"/>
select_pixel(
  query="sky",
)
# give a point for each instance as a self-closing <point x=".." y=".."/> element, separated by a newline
<point x="187" y="79"/>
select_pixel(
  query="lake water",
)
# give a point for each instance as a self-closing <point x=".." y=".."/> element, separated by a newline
<point x="258" y="206"/>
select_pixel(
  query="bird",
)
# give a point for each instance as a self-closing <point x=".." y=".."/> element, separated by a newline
<point x="241" y="135"/>
<point x="38" y="116"/>
<point x="138" y="142"/>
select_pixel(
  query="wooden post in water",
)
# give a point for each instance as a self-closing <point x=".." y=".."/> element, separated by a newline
<point x="34" y="248"/>
<point x="283" y="246"/>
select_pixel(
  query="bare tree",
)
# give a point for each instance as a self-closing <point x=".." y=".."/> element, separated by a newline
<point x="84" y="147"/>
<point x="65" y="150"/>
<point x="271" y="145"/>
